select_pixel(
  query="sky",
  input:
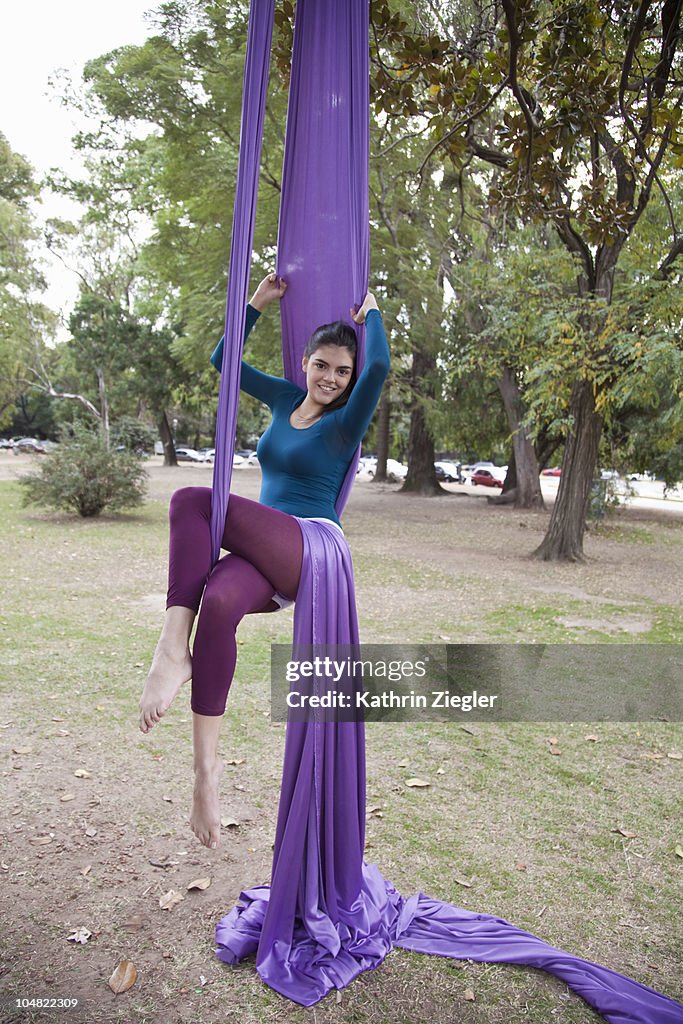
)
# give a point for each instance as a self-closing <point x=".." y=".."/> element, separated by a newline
<point x="38" y="38"/>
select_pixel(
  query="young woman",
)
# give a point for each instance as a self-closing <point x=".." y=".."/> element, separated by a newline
<point x="304" y="455"/>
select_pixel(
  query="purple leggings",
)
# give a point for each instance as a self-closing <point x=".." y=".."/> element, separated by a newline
<point x="266" y="550"/>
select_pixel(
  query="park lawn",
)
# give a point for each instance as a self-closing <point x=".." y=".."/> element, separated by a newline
<point x="578" y="847"/>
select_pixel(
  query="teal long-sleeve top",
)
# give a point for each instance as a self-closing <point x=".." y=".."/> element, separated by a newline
<point x="303" y="469"/>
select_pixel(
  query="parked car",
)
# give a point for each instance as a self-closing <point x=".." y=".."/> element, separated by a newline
<point x="189" y="455"/>
<point x="555" y="471"/>
<point x="30" y="445"/>
<point x="449" y="472"/>
<point x="396" y="471"/>
<point x="485" y="478"/>
<point x="253" y="459"/>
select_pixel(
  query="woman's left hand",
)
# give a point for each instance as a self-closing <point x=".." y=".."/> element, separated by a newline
<point x="358" y="315"/>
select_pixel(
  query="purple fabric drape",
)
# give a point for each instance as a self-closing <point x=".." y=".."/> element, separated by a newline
<point x="324" y="231"/>
<point x="256" y="68"/>
<point x="327" y="915"/>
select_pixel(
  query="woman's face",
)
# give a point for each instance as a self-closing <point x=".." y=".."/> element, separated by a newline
<point x="328" y="373"/>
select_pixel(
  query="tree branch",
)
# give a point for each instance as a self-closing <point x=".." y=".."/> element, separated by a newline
<point x="509" y="7"/>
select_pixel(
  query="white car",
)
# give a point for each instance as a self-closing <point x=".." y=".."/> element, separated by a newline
<point x="189" y="455"/>
<point x="396" y="471"/>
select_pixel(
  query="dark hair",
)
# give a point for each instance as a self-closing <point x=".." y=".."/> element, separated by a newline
<point x="342" y="335"/>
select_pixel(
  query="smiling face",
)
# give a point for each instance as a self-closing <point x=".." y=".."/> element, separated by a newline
<point x="328" y="373"/>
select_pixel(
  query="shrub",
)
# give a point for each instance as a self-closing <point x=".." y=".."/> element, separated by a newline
<point x="84" y="475"/>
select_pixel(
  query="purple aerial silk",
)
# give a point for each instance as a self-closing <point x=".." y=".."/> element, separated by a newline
<point x="256" y="68"/>
<point x="327" y="915"/>
<point x="324" y="231"/>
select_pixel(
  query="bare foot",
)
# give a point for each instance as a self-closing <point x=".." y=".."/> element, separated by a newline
<point x="205" y="820"/>
<point x="166" y="676"/>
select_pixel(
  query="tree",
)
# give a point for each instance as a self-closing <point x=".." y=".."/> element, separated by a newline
<point x="576" y="108"/>
<point x="25" y="322"/>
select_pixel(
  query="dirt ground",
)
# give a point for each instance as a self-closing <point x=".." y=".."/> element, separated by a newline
<point x="94" y="820"/>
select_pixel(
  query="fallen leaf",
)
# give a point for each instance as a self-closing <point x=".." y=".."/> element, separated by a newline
<point x="82" y="773"/>
<point x="461" y="881"/>
<point x="134" y="924"/>
<point x="235" y="760"/>
<point x="168" y="799"/>
<point x="165" y="863"/>
<point x="678" y="850"/>
<point x="41" y="840"/>
<point x="65" y="797"/>
<point x="556" y="751"/>
<point x="22" y="750"/>
<point x="653" y="757"/>
<point x="230" y="823"/>
<point x="170" y="898"/>
<point x="675" y="755"/>
<point x="553" y="741"/>
<point x="520" y="866"/>
<point x="469" y="995"/>
<point x="440" y="771"/>
<point x="91" y="831"/>
<point x="417" y="783"/>
<point x="86" y="870"/>
<point x="124" y="977"/>
<point x="202" y="980"/>
<point x="626" y="833"/>
<point x="403" y="764"/>
<point x="592" y="737"/>
<point x="79" y="935"/>
<point x="200" y="883"/>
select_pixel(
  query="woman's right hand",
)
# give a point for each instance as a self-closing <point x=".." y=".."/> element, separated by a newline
<point x="358" y="315"/>
<point x="271" y="287"/>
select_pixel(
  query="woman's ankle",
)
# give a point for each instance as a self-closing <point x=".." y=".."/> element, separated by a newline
<point x="208" y="770"/>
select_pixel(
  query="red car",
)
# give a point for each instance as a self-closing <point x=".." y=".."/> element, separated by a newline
<point x="485" y="478"/>
<point x="552" y="472"/>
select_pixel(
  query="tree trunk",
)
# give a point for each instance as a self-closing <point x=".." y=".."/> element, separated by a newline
<point x="528" y="485"/>
<point x="383" y="424"/>
<point x="564" y="539"/>
<point x="421" y="478"/>
<point x="167" y="441"/>
<point x="508" y="494"/>
<point x="104" y="405"/>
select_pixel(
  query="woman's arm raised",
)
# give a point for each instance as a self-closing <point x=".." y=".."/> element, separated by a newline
<point x="260" y="385"/>
<point x="355" y="416"/>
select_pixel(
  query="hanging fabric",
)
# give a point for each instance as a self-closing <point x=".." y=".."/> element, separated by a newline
<point x="327" y="915"/>
<point x="255" y="88"/>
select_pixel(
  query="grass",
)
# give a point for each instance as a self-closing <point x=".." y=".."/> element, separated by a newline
<point x="534" y="834"/>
